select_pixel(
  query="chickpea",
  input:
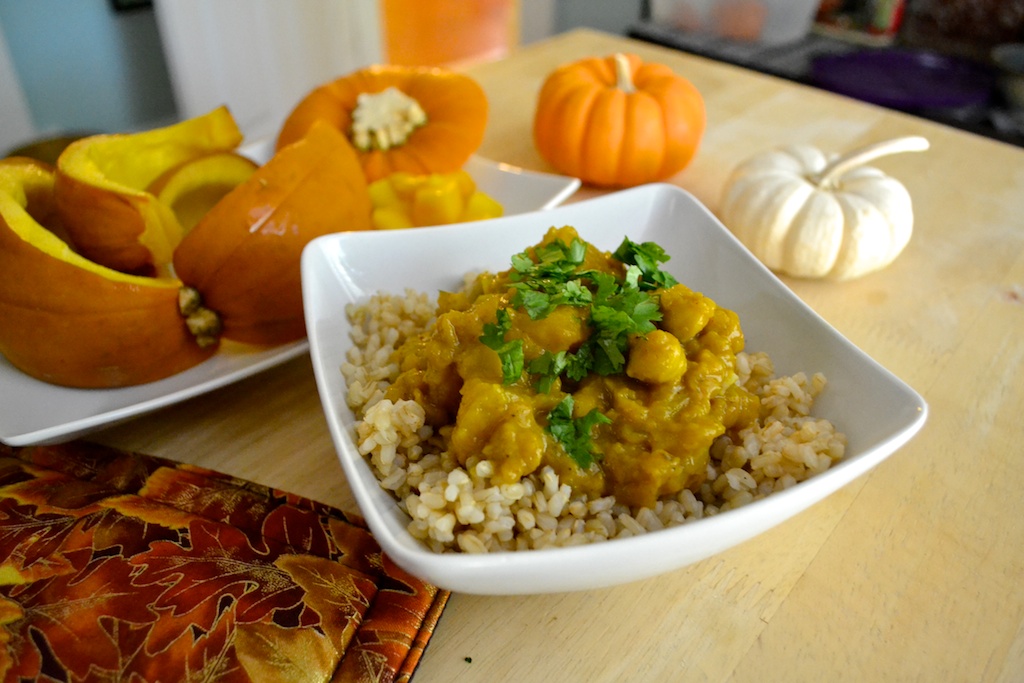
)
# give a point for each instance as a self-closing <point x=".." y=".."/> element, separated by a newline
<point x="657" y="358"/>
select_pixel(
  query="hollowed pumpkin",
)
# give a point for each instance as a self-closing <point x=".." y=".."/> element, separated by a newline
<point x="68" y="321"/>
<point x="194" y="187"/>
<point x="243" y="257"/>
<point x="102" y="189"/>
<point x="400" y="118"/>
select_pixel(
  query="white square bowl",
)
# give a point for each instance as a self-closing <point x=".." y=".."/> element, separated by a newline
<point x="876" y="410"/>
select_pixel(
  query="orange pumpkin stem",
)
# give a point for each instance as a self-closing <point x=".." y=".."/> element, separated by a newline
<point x="623" y="77"/>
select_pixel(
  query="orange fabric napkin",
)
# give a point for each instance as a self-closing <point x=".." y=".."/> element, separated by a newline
<point x="116" y="564"/>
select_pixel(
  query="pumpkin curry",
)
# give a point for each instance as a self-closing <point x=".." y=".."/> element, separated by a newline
<point x="597" y="364"/>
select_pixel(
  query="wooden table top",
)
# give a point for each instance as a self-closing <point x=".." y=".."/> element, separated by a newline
<point x="913" y="572"/>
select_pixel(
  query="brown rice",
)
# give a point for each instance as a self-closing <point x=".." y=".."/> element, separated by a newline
<point x="459" y="508"/>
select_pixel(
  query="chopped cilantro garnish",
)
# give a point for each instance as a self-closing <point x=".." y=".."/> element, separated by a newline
<point x="510" y="352"/>
<point x="574" y="293"/>
<point x="537" y="304"/>
<point x="548" y="366"/>
<point x="550" y="280"/>
<point x="554" y="261"/>
<point x="549" y="276"/>
<point x="646" y="256"/>
<point x="575" y="433"/>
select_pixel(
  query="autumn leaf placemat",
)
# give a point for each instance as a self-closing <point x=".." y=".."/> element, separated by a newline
<point x="124" y="566"/>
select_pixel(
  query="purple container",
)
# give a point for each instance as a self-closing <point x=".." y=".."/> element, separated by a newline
<point x="910" y="80"/>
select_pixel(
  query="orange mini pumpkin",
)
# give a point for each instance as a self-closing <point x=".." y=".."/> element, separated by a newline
<point x="243" y="256"/>
<point x="399" y="118"/>
<point x="617" y="121"/>
<point x="69" y="321"/>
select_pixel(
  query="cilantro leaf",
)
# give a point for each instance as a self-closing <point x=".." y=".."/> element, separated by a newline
<point x="574" y="293"/>
<point x="555" y="260"/>
<point x="510" y="352"/>
<point x="537" y="304"/>
<point x="577" y="365"/>
<point x="574" y="434"/>
<point x="549" y="366"/>
<point x="646" y="256"/>
<point x="550" y="275"/>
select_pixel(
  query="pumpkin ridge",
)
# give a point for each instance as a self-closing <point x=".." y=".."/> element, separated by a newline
<point x="602" y="73"/>
<point x="211" y="275"/>
<point x="570" y="159"/>
<point x="628" y="168"/>
<point x="587" y="108"/>
<point x="606" y="116"/>
<point x="856" y="254"/>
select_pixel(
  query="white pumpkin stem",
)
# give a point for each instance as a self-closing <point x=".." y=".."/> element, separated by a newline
<point x="623" y="77"/>
<point x="843" y="163"/>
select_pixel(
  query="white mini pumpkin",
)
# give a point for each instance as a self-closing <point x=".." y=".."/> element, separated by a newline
<point x="805" y="215"/>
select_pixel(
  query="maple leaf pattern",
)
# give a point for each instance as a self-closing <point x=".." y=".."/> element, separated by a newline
<point x="123" y="566"/>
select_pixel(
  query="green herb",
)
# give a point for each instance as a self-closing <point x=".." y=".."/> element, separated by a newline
<point x="555" y="261"/>
<point x="646" y="256"/>
<point x="549" y="276"/>
<point x="575" y="433"/>
<point x="548" y="366"/>
<point x="549" y="281"/>
<point x="618" y="312"/>
<point x="510" y="352"/>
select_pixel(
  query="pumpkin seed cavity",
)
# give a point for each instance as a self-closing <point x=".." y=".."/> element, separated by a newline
<point x="385" y="119"/>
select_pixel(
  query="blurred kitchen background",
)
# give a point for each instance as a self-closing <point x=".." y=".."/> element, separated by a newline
<point x="69" y="68"/>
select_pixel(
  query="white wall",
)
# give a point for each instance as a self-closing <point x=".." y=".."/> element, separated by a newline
<point x="537" y="19"/>
<point x="611" y="16"/>
<point x="15" y="120"/>
<point x="260" y="57"/>
<point x="82" y="66"/>
<point x="76" y="65"/>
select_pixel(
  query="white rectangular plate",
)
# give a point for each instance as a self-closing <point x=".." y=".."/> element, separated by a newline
<point x="34" y="412"/>
<point x="876" y="410"/>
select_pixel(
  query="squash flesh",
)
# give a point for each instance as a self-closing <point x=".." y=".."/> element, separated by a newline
<point x="102" y="195"/>
<point x="71" y="322"/>
<point x="243" y="256"/>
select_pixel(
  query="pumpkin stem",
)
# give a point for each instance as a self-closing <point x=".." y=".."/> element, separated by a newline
<point x="385" y="119"/>
<point x="204" y="324"/>
<point x="843" y="163"/>
<point x="623" y="77"/>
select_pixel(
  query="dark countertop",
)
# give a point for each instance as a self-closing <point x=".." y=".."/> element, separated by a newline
<point x="794" y="61"/>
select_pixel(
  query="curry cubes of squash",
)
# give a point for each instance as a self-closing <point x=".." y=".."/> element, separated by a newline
<point x="82" y="316"/>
